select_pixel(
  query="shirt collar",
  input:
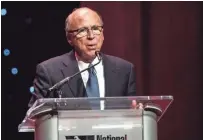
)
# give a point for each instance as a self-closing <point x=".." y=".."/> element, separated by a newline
<point x="84" y="65"/>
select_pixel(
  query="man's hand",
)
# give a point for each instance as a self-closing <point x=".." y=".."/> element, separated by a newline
<point x="136" y="105"/>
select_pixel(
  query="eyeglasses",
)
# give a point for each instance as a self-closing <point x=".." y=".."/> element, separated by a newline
<point x="81" y="32"/>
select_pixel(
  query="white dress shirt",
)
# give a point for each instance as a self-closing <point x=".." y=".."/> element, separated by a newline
<point x="100" y="76"/>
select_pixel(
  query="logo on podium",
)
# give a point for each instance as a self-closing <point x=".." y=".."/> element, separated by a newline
<point x="86" y="137"/>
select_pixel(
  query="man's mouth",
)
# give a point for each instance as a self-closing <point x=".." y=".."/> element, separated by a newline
<point x="91" y="46"/>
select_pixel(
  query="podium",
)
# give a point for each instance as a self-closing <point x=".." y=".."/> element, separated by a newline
<point x="109" y="118"/>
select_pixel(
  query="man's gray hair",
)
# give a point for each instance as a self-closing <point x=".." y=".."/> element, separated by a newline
<point x="67" y="21"/>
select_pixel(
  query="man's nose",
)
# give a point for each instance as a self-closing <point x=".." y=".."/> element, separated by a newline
<point x="90" y="34"/>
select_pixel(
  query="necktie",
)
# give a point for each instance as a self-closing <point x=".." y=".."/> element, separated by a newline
<point x="92" y="87"/>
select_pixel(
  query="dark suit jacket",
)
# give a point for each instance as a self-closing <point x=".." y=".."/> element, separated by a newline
<point x="119" y="77"/>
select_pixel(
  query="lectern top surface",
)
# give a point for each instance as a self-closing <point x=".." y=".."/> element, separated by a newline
<point x="156" y="104"/>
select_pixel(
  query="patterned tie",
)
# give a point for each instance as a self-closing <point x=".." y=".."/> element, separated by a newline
<point x="92" y="87"/>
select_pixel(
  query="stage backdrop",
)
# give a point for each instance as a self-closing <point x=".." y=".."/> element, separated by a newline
<point x="162" y="39"/>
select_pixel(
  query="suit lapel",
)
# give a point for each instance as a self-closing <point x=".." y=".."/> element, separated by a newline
<point x="70" y="68"/>
<point x="110" y="75"/>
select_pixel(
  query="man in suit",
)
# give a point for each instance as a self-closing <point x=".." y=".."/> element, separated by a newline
<point x="113" y="76"/>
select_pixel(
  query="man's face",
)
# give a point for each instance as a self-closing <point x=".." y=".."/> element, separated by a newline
<point x="87" y="36"/>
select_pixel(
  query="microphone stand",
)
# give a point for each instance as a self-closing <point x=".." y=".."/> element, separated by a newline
<point x="57" y="87"/>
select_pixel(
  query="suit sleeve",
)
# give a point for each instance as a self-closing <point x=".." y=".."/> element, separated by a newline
<point x="132" y="82"/>
<point x="41" y="82"/>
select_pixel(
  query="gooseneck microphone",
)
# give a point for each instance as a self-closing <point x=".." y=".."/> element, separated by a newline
<point x="58" y="85"/>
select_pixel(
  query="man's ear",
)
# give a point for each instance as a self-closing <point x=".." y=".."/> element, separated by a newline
<point x="70" y="42"/>
<point x="103" y="33"/>
<point x="68" y="37"/>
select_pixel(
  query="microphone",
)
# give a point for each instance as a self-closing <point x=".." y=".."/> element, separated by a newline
<point x="67" y="79"/>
